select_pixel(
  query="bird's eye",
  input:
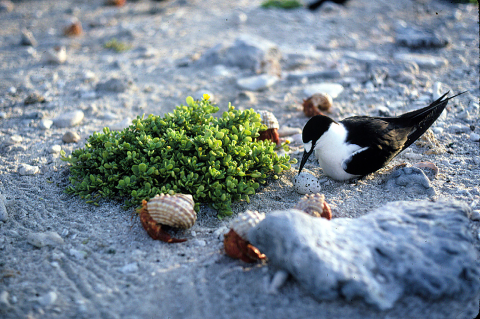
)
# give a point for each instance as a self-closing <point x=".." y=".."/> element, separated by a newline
<point x="308" y="146"/>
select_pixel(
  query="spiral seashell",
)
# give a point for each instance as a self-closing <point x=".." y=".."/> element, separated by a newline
<point x="269" y="119"/>
<point x="172" y="210"/>
<point x="314" y="205"/>
<point x="245" y="221"/>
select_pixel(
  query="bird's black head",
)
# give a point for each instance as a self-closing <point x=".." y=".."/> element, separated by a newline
<point x="312" y="131"/>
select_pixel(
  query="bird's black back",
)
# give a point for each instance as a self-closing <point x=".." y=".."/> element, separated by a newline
<point x="387" y="137"/>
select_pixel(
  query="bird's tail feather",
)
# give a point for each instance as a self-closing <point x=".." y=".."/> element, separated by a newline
<point x="425" y="117"/>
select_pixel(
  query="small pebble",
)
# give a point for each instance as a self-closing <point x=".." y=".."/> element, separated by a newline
<point x="6" y="5"/>
<point x="424" y="61"/>
<point x="88" y="76"/>
<point x="26" y="169"/>
<point x="459" y="128"/>
<point x="108" y="116"/>
<point x="129" y="268"/>
<point x="3" y="209"/>
<point x="363" y="56"/>
<point x="257" y="82"/>
<point x="383" y="110"/>
<point x="199" y="242"/>
<point x="57" y="55"/>
<point x="475" y="137"/>
<point x="54" y="149"/>
<point x="219" y="232"/>
<point x="247" y="96"/>
<point x="4" y="303"/>
<point x="33" y="98"/>
<point x="28" y="38"/>
<point x="70" y="137"/>
<point x="78" y="254"/>
<point x="312" y="75"/>
<point x="88" y="94"/>
<point x="149" y="52"/>
<point x="415" y="38"/>
<point x="3" y="115"/>
<point x="45" y="124"/>
<point x="114" y="85"/>
<point x="121" y="125"/>
<point x="68" y="119"/>
<point x="40" y="240"/>
<point x="14" y="139"/>
<point x="306" y="183"/>
<point x="48" y="299"/>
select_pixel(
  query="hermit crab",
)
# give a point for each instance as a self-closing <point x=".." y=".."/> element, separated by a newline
<point x="235" y="242"/>
<point x="271" y="122"/>
<point x="176" y="211"/>
<point x="317" y="103"/>
<point x="314" y="205"/>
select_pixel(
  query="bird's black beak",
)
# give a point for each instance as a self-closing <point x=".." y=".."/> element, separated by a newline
<point x="306" y="155"/>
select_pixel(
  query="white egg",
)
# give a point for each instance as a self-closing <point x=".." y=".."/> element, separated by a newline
<point x="306" y="183"/>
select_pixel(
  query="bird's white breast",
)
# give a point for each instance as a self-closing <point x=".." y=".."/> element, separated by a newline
<point x="331" y="150"/>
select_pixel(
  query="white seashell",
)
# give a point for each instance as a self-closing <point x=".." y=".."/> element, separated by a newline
<point x="306" y="183"/>
<point x="268" y="119"/>
<point x="245" y="221"/>
<point x="173" y="210"/>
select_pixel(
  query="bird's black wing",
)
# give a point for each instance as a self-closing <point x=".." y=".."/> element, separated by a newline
<point x="380" y="140"/>
<point x="383" y="138"/>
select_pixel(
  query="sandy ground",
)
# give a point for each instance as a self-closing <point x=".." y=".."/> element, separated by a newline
<point x="107" y="266"/>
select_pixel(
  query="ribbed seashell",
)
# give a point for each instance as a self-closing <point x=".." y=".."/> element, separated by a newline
<point x="173" y="210"/>
<point x="314" y="205"/>
<point x="269" y="119"/>
<point x="245" y="221"/>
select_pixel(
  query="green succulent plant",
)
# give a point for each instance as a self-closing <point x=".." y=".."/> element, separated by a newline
<point x="283" y="4"/>
<point x="116" y="45"/>
<point x="216" y="159"/>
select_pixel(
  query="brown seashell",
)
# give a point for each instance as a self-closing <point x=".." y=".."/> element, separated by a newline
<point x="316" y="103"/>
<point x="314" y="205"/>
<point x="173" y="210"/>
<point x="117" y="3"/>
<point x="74" y="29"/>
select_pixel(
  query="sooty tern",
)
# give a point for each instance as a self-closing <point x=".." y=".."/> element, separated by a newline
<point x="360" y="145"/>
